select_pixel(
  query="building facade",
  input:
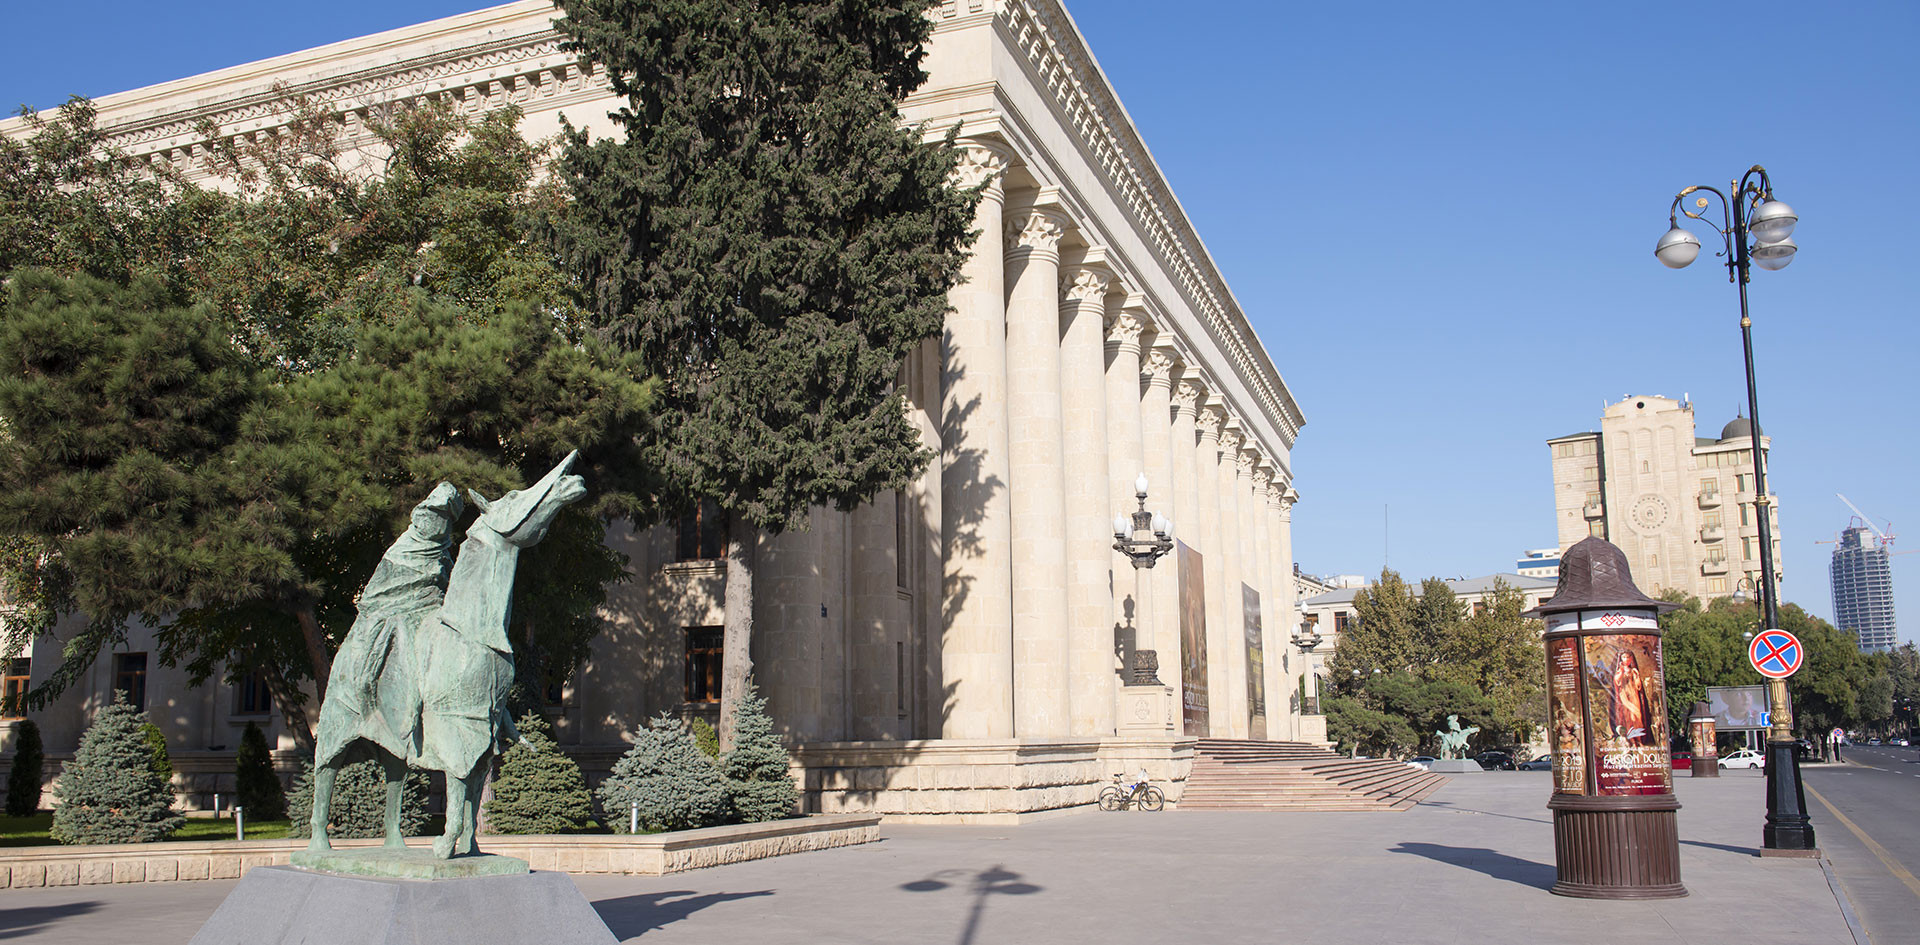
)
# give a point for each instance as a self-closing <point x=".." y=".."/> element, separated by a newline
<point x="961" y="648"/>
<point x="1681" y="507"/>
<point x="1862" y="577"/>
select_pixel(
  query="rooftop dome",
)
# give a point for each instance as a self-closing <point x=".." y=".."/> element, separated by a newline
<point x="1737" y="428"/>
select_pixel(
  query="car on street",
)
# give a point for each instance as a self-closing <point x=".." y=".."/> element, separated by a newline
<point x="1683" y="761"/>
<point x="1744" y="758"/>
<point x="1494" y="758"/>
<point x="1542" y="763"/>
<point x="1423" y="762"/>
<point x="1873" y="741"/>
<point x="1901" y="742"/>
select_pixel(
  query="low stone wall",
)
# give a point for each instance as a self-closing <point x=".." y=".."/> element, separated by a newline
<point x="647" y="855"/>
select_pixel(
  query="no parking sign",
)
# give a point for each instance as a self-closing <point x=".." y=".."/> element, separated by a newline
<point x="1777" y="654"/>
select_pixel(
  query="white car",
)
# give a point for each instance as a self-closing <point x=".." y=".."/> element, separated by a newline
<point x="1744" y="758"/>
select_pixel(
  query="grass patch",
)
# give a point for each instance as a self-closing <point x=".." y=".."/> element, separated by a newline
<point x="31" y="831"/>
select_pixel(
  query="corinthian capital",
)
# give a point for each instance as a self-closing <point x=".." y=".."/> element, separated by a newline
<point x="1247" y="461"/>
<point x="1209" y="421"/>
<point x="1187" y="396"/>
<point x="1262" y="479"/>
<point x="1035" y="230"/>
<point x="1084" y="283"/>
<point x="1124" y="330"/>
<point x="980" y="163"/>
<point x="1230" y="441"/>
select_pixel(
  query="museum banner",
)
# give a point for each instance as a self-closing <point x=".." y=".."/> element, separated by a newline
<point x="1256" y="665"/>
<point x="1193" y="643"/>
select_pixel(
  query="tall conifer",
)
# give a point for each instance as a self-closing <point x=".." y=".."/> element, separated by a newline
<point x="773" y="242"/>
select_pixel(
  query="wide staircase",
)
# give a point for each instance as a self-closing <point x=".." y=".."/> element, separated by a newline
<point x="1231" y="774"/>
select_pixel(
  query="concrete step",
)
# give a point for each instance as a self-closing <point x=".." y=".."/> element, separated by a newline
<point x="1242" y="775"/>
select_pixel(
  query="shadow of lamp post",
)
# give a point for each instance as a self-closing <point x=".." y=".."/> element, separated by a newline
<point x="1754" y="229"/>
<point x="1144" y="537"/>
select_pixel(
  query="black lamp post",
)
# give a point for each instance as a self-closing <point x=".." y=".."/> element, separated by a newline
<point x="1755" y="229"/>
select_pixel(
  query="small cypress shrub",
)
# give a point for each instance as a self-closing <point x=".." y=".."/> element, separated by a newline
<point x="157" y="750"/>
<point x="676" y="786"/>
<point x="706" y="738"/>
<point x="29" y="770"/>
<point x="758" y="778"/>
<point x="539" y="789"/>
<point x="359" y="807"/>
<point x="256" y="787"/>
<point x="110" y="792"/>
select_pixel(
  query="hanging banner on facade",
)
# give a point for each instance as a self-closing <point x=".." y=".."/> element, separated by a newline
<point x="1193" y="643"/>
<point x="1569" y="742"/>
<point x="1627" y="709"/>
<point x="1256" y="665"/>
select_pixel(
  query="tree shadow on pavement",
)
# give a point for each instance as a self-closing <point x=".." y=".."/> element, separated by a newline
<point x="18" y="923"/>
<point x="630" y="916"/>
<point x="993" y="881"/>
<point x="1482" y="860"/>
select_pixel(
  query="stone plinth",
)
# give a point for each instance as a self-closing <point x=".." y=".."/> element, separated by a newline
<point x="407" y="863"/>
<point x="284" y="905"/>
<point x="1145" y="710"/>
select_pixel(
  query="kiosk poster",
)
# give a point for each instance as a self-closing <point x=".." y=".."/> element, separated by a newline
<point x="1193" y="644"/>
<point x="1627" y="713"/>
<point x="1569" y="740"/>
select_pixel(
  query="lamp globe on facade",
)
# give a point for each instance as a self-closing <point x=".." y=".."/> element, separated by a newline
<point x="1677" y="248"/>
<point x="1772" y="222"/>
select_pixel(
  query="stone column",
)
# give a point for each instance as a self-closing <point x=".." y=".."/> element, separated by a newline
<point x="1233" y="627"/>
<point x="1125" y="460"/>
<point x="1036" y="466"/>
<point x="1213" y="567"/>
<point x="1272" y="641"/>
<point x="1189" y="519"/>
<point x="1152" y="386"/>
<point x="791" y="633"/>
<point x="877" y="621"/>
<point x="1091" y="577"/>
<point x="1280" y="516"/>
<point x="976" y="658"/>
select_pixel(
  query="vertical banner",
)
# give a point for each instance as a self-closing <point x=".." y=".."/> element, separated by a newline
<point x="1256" y="665"/>
<point x="1627" y="712"/>
<point x="1193" y="643"/>
<point x="1569" y="741"/>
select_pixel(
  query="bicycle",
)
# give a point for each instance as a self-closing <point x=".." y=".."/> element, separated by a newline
<point x="1119" y="796"/>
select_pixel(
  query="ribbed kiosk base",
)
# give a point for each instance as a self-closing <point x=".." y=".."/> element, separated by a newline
<point x="285" y="905"/>
<point x="1616" y="847"/>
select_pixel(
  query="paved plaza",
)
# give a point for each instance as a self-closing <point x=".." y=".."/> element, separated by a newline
<point x="1471" y="864"/>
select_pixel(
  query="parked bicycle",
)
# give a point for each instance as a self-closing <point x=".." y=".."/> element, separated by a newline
<point x="1120" y="795"/>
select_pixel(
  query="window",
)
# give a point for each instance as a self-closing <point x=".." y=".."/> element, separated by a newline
<point x="703" y="664"/>
<point x="1749" y="548"/>
<point x="130" y="678"/>
<point x="1479" y="608"/>
<point x="900" y="538"/>
<point x="703" y="534"/>
<point x="1591" y="473"/>
<point x="1746" y="515"/>
<point x="1597" y="528"/>
<point x="1717" y="556"/>
<point x="1716" y="585"/>
<point x="1593" y="498"/>
<point x="1709" y="486"/>
<point x="13" y="697"/>
<point x="1743" y="482"/>
<point x="1339" y="621"/>
<point x="250" y="696"/>
<point x="1712" y="519"/>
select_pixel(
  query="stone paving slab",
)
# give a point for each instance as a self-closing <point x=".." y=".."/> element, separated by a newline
<point x="1470" y="864"/>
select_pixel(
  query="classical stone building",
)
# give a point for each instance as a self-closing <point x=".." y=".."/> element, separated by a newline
<point x="958" y="648"/>
<point x="1681" y="507"/>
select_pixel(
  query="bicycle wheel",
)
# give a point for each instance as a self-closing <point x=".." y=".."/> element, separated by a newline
<point x="1153" y="799"/>
<point x="1111" y="798"/>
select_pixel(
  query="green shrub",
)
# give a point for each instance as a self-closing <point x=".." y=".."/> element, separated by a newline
<point x="257" y="788"/>
<point x="157" y="751"/>
<point x="759" y="780"/>
<point x="708" y="739"/>
<point x="359" y="806"/>
<point x="675" y="785"/>
<point x="28" y="772"/>
<point x="110" y="792"/>
<point x="539" y="789"/>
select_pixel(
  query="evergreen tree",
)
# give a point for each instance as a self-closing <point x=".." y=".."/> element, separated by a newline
<point x="1438" y="615"/>
<point x="757" y="769"/>
<point x="773" y="242"/>
<point x="1498" y="654"/>
<point x="675" y="785"/>
<point x="28" y="773"/>
<point x="708" y="739"/>
<point x="539" y="789"/>
<point x="257" y="787"/>
<point x="1380" y="636"/>
<point x="162" y="760"/>
<point x="109" y="792"/>
<point x="359" y="808"/>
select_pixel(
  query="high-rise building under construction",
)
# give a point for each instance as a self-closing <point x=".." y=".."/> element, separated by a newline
<point x="1863" y="589"/>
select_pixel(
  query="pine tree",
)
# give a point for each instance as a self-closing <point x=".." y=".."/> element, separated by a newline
<point x="539" y="789"/>
<point x="109" y="792"/>
<point x="1379" y="637"/>
<point x="773" y="242"/>
<point x="162" y="760"/>
<point x="757" y="767"/>
<point x="257" y="788"/>
<point x="359" y="808"/>
<point x="675" y="785"/>
<point x="708" y="739"/>
<point x="28" y="773"/>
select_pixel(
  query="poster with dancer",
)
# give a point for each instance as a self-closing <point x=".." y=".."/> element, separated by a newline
<point x="1568" y="737"/>
<point x="1193" y="643"/>
<point x="1627" y="714"/>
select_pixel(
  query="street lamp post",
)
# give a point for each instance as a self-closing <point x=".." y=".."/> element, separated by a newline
<point x="1755" y="229"/>
<point x="1144" y="537"/>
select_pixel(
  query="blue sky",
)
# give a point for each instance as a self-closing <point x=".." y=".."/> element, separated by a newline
<point x="1441" y="218"/>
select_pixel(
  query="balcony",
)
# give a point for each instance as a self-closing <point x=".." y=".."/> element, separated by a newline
<point x="1713" y="533"/>
<point x="1713" y="566"/>
<point x="1710" y="500"/>
<point x="1594" y="510"/>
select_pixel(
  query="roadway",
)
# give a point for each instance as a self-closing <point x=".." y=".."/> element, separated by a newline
<point x="1864" y="821"/>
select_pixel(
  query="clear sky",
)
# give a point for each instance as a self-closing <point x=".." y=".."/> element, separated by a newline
<point x="1441" y="219"/>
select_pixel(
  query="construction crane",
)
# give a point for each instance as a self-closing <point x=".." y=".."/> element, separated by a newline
<point x="1886" y="538"/>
